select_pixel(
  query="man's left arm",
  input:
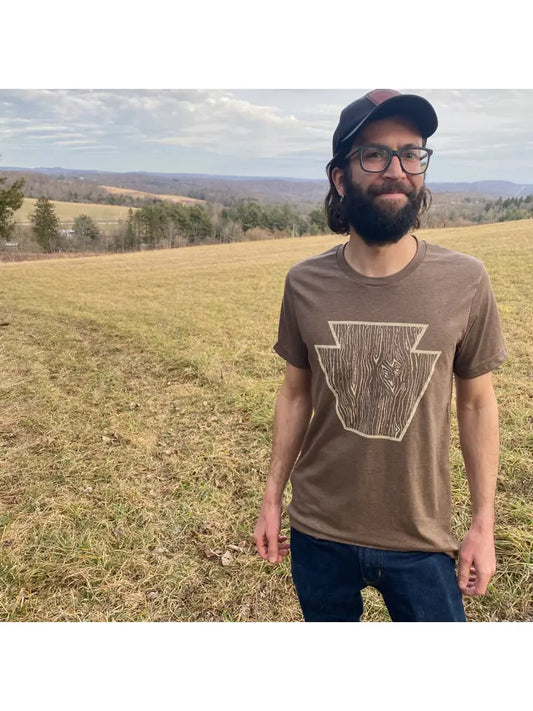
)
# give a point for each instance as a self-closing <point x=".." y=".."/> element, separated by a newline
<point x="477" y="415"/>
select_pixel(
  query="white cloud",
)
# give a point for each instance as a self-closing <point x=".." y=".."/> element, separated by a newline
<point x="245" y="131"/>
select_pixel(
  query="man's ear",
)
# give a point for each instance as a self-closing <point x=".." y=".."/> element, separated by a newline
<point x="337" y="175"/>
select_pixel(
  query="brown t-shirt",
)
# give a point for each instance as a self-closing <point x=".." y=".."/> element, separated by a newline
<point x="374" y="465"/>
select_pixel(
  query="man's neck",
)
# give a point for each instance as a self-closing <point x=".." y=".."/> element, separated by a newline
<point x="379" y="260"/>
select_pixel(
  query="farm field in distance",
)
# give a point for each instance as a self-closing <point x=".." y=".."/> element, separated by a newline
<point x="68" y="211"/>
<point x="136" y="407"/>
<point x="142" y="194"/>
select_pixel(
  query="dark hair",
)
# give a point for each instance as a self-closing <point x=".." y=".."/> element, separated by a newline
<point x="334" y="207"/>
<point x="335" y="216"/>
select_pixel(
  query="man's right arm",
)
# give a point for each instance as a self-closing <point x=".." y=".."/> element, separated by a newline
<point x="291" y="418"/>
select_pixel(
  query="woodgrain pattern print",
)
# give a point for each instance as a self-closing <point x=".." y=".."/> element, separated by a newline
<point x="376" y="375"/>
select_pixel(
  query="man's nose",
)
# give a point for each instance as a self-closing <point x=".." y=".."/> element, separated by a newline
<point x="394" y="170"/>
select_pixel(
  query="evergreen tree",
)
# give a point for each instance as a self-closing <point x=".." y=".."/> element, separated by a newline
<point x="11" y="199"/>
<point x="85" y="229"/>
<point x="45" y="224"/>
<point x="129" y="238"/>
<point x="317" y="221"/>
<point x="200" y="224"/>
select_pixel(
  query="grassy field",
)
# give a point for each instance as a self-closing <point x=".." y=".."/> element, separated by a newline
<point x="142" y="194"/>
<point x="136" y="403"/>
<point x="68" y="211"/>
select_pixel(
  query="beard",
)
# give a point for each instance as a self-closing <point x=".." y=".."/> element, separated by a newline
<point x="381" y="224"/>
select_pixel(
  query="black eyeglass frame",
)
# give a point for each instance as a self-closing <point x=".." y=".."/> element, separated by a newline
<point x="391" y="153"/>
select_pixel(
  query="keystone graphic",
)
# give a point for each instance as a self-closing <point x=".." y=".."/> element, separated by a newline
<point x="376" y="375"/>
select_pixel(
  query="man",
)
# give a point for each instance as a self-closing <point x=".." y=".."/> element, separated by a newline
<point x="373" y="333"/>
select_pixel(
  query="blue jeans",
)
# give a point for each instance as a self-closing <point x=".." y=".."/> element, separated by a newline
<point x="329" y="577"/>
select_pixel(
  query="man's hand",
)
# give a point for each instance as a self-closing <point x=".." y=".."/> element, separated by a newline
<point x="270" y="545"/>
<point x="477" y="562"/>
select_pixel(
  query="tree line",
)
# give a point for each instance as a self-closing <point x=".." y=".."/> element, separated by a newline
<point x="168" y="224"/>
<point x="503" y="210"/>
<point x="159" y="224"/>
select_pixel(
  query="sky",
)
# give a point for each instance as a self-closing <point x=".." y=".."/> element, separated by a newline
<point x="483" y="134"/>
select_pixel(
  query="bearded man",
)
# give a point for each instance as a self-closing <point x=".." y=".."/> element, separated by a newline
<point x="373" y="333"/>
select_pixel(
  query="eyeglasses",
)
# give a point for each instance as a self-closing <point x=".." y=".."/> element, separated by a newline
<point x="376" y="159"/>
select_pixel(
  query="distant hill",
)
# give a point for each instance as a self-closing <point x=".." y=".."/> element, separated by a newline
<point x="226" y="189"/>
<point x="492" y="188"/>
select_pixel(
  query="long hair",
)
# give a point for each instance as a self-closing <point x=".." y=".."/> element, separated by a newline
<point x="334" y="204"/>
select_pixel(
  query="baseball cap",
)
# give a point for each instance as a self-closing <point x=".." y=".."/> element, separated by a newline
<point x="378" y="104"/>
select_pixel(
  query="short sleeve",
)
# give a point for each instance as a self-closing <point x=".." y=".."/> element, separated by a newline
<point x="290" y="344"/>
<point x="482" y="347"/>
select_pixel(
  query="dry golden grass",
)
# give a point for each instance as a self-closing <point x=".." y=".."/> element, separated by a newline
<point x="68" y="211"/>
<point x="136" y="404"/>
<point x="142" y="194"/>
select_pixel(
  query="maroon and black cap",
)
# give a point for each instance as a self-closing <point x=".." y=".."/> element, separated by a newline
<point x="379" y="104"/>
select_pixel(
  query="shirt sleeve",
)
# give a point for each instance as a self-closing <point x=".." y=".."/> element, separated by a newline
<point x="290" y="344"/>
<point x="482" y="347"/>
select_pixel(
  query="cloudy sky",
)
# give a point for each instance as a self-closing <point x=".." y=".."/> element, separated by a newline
<point x="483" y="134"/>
